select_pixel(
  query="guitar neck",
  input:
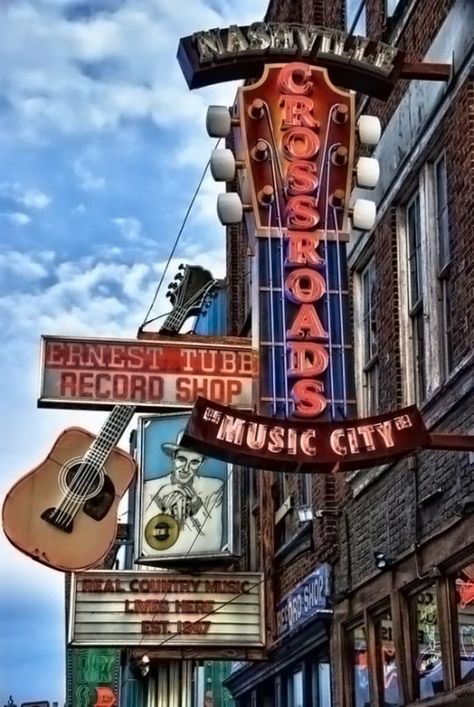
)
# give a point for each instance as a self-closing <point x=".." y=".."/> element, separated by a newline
<point x="110" y="434"/>
<point x="175" y="320"/>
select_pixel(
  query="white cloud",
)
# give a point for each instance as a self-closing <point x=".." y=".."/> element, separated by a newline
<point x="35" y="199"/>
<point x="31" y="198"/>
<point x="88" y="181"/>
<point x="23" y="265"/>
<point x="18" y="218"/>
<point x="130" y="228"/>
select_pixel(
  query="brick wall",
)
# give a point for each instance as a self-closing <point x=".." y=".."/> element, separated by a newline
<point x="384" y="516"/>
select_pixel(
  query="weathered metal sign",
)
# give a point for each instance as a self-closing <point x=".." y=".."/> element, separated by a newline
<point x="139" y="609"/>
<point x="163" y="373"/>
<point x="291" y="445"/>
<point x="310" y="598"/>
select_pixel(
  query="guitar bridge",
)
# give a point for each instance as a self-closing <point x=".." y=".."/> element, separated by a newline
<point x="58" y="518"/>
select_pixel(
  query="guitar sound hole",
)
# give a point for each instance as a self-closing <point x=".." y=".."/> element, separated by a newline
<point x="83" y="484"/>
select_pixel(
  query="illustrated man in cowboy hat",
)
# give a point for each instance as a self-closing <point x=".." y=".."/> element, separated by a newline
<point x="192" y="499"/>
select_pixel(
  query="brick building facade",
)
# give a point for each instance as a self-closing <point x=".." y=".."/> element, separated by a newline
<point x="402" y="630"/>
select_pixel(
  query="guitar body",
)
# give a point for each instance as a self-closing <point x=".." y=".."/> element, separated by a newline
<point x="71" y="534"/>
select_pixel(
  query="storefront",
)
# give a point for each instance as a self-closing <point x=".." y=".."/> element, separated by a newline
<point x="297" y="672"/>
<point x="409" y="634"/>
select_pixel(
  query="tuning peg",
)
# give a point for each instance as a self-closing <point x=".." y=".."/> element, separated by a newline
<point x="169" y="295"/>
<point x="369" y="129"/>
<point x="172" y="286"/>
<point x="223" y="165"/>
<point x="178" y="276"/>
<point x="181" y="266"/>
<point x="219" y="121"/>
<point x="363" y="214"/>
<point x="230" y="208"/>
<point x="367" y="172"/>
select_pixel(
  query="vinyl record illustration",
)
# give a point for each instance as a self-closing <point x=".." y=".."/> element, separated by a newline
<point x="161" y="531"/>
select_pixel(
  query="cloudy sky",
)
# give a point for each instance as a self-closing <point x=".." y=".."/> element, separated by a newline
<point x="102" y="146"/>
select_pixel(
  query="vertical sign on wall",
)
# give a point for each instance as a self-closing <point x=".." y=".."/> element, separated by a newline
<point x="297" y="134"/>
<point x="95" y="677"/>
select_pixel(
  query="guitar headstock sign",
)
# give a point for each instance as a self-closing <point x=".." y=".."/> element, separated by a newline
<point x="294" y="133"/>
<point x="188" y="294"/>
<point x="296" y="137"/>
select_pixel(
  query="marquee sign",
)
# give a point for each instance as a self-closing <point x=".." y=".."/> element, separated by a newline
<point x="241" y="52"/>
<point x="140" y="609"/>
<point x="163" y="373"/>
<point x="292" y="445"/>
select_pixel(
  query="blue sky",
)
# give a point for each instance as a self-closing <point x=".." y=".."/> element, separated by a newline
<point x="101" y="148"/>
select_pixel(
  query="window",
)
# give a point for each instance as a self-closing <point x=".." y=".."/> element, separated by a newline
<point x="356" y="17"/>
<point x="369" y="342"/>
<point x="323" y="689"/>
<point x="443" y="260"/>
<point x="387" y="675"/>
<point x="359" y="667"/>
<point x="415" y="296"/>
<point x="295" y="689"/>
<point x="428" y="658"/>
<point x="426" y="284"/>
<point x="464" y="583"/>
<point x="391" y="6"/>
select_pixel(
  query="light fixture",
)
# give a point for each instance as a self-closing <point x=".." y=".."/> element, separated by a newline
<point x="465" y="508"/>
<point x="381" y="561"/>
<point x="305" y="514"/>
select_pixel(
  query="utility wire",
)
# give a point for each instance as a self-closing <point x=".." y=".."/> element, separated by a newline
<point x="183" y="224"/>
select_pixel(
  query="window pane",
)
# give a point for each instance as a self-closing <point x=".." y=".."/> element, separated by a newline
<point x="356" y="17"/>
<point x="429" y="662"/>
<point x="465" y="612"/>
<point x="386" y="663"/>
<point x="418" y="334"/>
<point x="360" y="674"/>
<point x="441" y="206"/>
<point x="370" y="325"/>
<point x="414" y="250"/>
<point x="324" y="685"/>
<point x="392" y="6"/>
<point x="297" y="690"/>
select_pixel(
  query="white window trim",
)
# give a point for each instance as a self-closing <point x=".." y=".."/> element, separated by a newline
<point x="433" y="355"/>
<point x="359" y="341"/>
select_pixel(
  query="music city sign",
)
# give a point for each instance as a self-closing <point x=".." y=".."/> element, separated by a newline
<point x="292" y="445"/>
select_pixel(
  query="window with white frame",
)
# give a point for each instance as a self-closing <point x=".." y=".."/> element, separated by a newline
<point x="415" y="297"/>
<point x="443" y="256"/>
<point x="366" y="340"/>
<point x="426" y="284"/>
<point x="356" y="17"/>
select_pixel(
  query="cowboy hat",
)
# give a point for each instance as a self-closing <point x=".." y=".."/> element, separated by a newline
<point x="170" y="448"/>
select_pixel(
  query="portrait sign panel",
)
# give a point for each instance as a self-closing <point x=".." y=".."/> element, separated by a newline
<point x="185" y="500"/>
